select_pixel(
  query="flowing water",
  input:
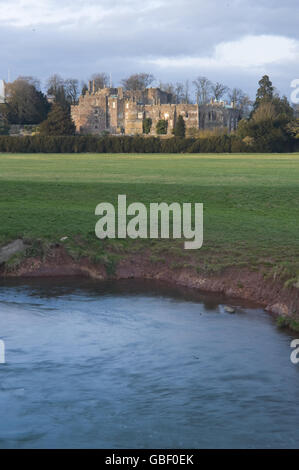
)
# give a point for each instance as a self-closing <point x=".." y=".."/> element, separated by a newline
<point x="134" y="365"/>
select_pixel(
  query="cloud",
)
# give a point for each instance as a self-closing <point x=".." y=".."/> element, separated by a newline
<point x="233" y="41"/>
<point x="71" y="14"/>
<point x="247" y="52"/>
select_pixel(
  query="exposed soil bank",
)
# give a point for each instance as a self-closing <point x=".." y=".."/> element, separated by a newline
<point x="238" y="283"/>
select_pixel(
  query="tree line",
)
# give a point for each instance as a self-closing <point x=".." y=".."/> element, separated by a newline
<point x="268" y="124"/>
<point x="27" y="103"/>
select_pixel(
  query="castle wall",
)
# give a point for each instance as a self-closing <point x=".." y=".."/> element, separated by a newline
<point x="133" y="117"/>
<point x="90" y="115"/>
<point x="119" y="111"/>
<point x="213" y="117"/>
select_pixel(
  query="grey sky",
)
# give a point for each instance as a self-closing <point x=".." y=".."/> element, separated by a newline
<point x="232" y="41"/>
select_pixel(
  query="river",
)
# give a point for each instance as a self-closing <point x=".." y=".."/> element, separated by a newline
<point x="139" y="365"/>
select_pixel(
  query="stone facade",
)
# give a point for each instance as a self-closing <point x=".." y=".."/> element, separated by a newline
<point x="218" y="114"/>
<point x="2" y="91"/>
<point x="118" y="111"/>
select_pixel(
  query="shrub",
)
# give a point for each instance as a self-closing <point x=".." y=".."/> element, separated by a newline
<point x="58" y="122"/>
<point x="147" y="125"/>
<point x="161" y="127"/>
<point x="180" y="127"/>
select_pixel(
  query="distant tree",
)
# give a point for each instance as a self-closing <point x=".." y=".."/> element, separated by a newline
<point x="138" y="81"/>
<point x="4" y="125"/>
<point x="54" y="85"/>
<point x="293" y="128"/>
<point x="101" y="80"/>
<point x="186" y="98"/>
<point x="235" y="95"/>
<point x="24" y="103"/>
<point x="147" y="125"/>
<point x="84" y="89"/>
<point x="179" y="93"/>
<point x="180" y="127"/>
<point x="245" y="106"/>
<point x="31" y="80"/>
<point x="283" y="107"/>
<point x="167" y="87"/>
<point x="269" y="127"/>
<point x="56" y="89"/>
<point x="71" y="87"/>
<point x="170" y="89"/>
<point x="274" y="109"/>
<point x="161" y="127"/>
<point x="59" y="122"/>
<point x="265" y="91"/>
<point x="219" y="90"/>
<point x="265" y="112"/>
<point x="203" y="88"/>
<point x="240" y="100"/>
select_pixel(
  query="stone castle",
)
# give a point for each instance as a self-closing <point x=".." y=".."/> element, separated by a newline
<point x="119" y="111"/>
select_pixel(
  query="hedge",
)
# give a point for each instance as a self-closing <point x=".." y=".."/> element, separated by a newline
<point x="127" y="144"/>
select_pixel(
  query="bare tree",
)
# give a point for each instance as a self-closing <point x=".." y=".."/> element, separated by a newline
<point x="219" y="90"/>
<point x="240" y="100"/>
<point x="167" y="87"/>
<point x="202" y="89"/>
<point x="179" y="93"/>
<point x="31" y="81"/>
<point x="101" y="80"/>
<point x="235" y="95"/>
<point x="56" y="88"/>
<point x="54" y="84"/>
<point x="246" y="106"/>
<point x="71" y="86"/>
<point x="186" y="98"/>
<point x="138" y="81"/>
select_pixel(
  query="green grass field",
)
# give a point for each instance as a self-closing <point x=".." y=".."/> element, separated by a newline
<point x="251" y="202"/>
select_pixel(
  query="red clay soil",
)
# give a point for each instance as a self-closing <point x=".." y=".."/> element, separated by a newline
<point x="234" y="283"/>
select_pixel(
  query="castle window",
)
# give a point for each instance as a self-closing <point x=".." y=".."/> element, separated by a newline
<point x="113" y="104"/>
<point x="140" y="115"/>
<point x="127" y="105"/>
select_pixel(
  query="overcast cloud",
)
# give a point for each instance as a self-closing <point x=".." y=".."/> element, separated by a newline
<point x="232" y="41"/>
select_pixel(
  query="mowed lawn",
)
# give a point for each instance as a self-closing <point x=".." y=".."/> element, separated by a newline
<point x="251" y="202"/>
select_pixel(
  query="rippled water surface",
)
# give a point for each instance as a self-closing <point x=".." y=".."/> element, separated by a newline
<point x="133" y="365"/>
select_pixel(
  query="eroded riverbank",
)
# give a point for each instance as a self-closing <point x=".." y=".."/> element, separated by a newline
<point x="241" y="283"/>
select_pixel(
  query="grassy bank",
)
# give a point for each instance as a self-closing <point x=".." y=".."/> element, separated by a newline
<point x="251" y="204"/>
